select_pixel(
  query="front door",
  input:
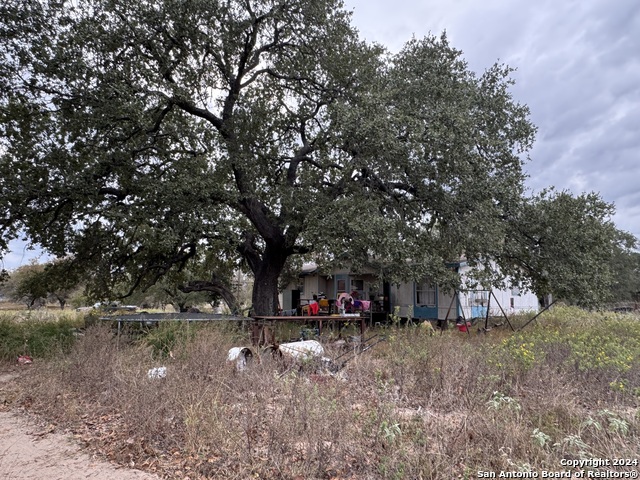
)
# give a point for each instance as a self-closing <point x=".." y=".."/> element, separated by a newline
<point x="340" y="285"/>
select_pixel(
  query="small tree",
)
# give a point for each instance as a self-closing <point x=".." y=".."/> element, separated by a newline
<point x="565" y="245"/>
<point x="62" y="278"/>
<point x="36" y="283"/>
<point x="27" y="285"/>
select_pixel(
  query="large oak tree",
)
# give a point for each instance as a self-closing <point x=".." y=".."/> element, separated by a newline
<point x="141" y="136"/>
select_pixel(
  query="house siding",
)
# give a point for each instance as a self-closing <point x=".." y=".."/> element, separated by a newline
<point x="402" y="298"/>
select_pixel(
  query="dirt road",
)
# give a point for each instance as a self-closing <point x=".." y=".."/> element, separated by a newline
<point x="32" y="452"/>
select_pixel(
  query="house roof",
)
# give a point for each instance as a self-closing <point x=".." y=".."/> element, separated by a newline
<point x="308" y="268"/>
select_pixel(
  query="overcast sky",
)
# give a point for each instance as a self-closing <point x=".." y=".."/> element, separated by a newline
<point x="578" y="70"/>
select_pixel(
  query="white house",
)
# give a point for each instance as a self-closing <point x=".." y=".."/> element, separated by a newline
<point x="420" y="300"/>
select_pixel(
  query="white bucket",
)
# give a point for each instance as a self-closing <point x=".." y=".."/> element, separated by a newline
<point x="304" y="349"/>
<point x="241" y="355"/>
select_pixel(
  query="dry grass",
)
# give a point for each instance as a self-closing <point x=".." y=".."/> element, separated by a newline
<point x="416" y="406"/>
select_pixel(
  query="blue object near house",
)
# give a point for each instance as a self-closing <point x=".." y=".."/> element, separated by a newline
<point x="478" y="311"/>
<point x="425" y="305"/>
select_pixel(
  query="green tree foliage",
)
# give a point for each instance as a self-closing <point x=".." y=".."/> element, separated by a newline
<point x="567" y="246"/>
<point x="182" y="289"/>
<point x="62" y="279"/>
<point x="26" y="285"/>
<point x="140" y="136"/>
<point x="434" y="161"/>
<point x="37" y="283"/>
<point x="626" y="281"/>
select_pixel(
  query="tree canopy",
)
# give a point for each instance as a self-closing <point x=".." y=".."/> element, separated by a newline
<point x="567" y="246"/>
<point x="34" y="284"/>
<point x="25" y="285"/>
<point x="626" y="282"/>
<point x="142" y="136"/>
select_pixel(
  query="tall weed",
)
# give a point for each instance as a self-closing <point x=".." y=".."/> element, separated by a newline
<point x="36" y="335"/>
<point x="416" y="406"/>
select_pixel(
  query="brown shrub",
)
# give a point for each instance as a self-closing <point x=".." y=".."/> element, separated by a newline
<point x="416" y="406"/>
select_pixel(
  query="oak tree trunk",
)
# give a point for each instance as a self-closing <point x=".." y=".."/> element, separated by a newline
<point x="265" y="287"/>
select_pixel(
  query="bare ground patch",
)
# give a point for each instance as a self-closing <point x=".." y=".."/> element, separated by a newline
<point x="31" y="451"/>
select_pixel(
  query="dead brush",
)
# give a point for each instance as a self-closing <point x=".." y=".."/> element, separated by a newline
<point x="416" y="406"/>
<point x="437" y="372"/>
<point x="62" y="388"/>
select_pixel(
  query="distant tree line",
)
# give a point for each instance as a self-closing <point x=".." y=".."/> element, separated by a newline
<point x="56" y="282"/>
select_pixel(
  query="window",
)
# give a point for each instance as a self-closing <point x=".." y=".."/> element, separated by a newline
<point x="478" y="298"/>
<point x="426" y="294"/>
<point x="357" y="288"/>
<point x="341" y="285"/>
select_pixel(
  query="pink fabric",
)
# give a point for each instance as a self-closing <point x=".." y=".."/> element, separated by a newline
<point x="342" y="297"/>
<point x="366" y="305"/>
